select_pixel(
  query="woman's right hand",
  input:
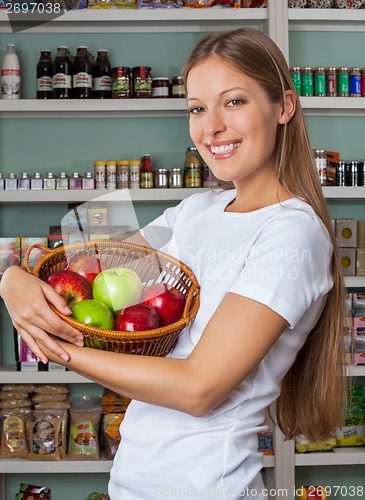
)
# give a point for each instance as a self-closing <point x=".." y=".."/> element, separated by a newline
<point x="26" y="298"/>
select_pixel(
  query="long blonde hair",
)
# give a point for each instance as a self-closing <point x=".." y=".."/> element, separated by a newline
<point x="313" y="391"/>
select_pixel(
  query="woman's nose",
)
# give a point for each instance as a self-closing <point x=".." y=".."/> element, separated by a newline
<point x="214" y="122"/>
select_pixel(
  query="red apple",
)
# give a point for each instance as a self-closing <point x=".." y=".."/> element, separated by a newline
<point x="136" y="318"/>
<point x="86" y="266"/>
<point x="166" y="300"/>
<point x="70" y="285"/>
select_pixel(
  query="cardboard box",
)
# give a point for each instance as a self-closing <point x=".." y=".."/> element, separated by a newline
<point x="346" y="232"/>
<point x="348" y="260"/>
<point x="360" y="227"/>
<point x="26" y="242"/>
<point x="360" y="262"/>
<point x="9" y="253"/>
<point x="25" y="359"/>
<point x="98" y="216"/>
<point x="358" y="312"/>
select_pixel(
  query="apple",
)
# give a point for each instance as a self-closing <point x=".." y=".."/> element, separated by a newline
<point x="70" y="285"/>
<point x="87" y="266"/>
<point x="117" y="288"/>
<point x="93" y="312"/>
<point x="166" y="300"/>
<point x="136" y="318"/>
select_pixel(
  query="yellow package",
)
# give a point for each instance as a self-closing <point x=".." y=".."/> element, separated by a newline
<point x="302" y="445"/>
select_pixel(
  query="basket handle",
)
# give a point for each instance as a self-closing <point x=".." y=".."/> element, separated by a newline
<point x="28" y="252"/>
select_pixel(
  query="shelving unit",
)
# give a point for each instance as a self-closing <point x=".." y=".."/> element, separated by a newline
<point x="277" y="21"/>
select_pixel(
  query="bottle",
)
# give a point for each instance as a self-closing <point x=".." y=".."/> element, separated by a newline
<point x="45" y="75"/>
<point x="10" y="74"/>
<point x="62" y="74"/>
<point x="192" y="168"/>
<point x="36" y="182"/>
<point x="81" y="74"/>
<point x="24" y="181"/>
<point x="146" y="175"/>
<point x="102" y="76"/>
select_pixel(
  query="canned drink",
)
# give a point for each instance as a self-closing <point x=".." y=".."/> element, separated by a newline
<point x="341" y="173"/>
<point x="307" y="81"/>
<point x="343" y="82"/>
<point x="363" y="82"/>
<point x="161" y="178"/>
<point x="361" y="173"/>
<point x="176" y="178"/>
<point x="99" y="174"/>
<point x="296" y="77"/>
<point x="331" y="75"/>
<point x="320" y="82"/>
<point x="355" y="82"/>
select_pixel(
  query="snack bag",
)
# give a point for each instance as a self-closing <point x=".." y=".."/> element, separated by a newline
<point x="13" y="435"/>
<point x="353" y="432"/>
<point x="85" y="413"/>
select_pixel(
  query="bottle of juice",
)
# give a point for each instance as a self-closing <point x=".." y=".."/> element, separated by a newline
<point x="10" y="74"/>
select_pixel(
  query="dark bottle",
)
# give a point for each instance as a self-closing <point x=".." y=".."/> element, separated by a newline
<point x="62" y="74"/>
<point x="102" y="76"/>
<point x="45" y="75"/>
<point x="81" y="74"/>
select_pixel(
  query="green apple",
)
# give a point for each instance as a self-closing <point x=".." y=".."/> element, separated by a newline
<point x="117" y="288"/>
<point x="93" y="312"/>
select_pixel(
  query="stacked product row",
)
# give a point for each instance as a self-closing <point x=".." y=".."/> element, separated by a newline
<point x="350" y="237"/>
<point x="329" y="82"/>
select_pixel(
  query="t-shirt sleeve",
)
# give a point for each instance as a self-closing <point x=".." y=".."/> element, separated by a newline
<point x="288" y="266"/>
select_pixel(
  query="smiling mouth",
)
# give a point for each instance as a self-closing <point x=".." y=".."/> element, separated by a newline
<point x="224" y="149"/>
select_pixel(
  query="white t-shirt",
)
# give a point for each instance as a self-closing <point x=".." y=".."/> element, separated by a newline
<point x="278" y="255"/>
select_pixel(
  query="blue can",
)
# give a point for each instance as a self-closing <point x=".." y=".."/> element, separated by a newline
<point x="355" y="82"/>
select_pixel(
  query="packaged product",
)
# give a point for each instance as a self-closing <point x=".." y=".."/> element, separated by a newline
<point x="13" y="395"/>
<point x="18" y="387"/>
<point x="312" y="493"/>
<point x="110" y="433"/>
<point x="98" y="496"/>
<point x="265" y="442"/>
<point x="32" y="492"/>
<point x="9" y="253"/>
<point x="36" y="253"/>
<point x="102" y="4"/>
<point x="353" y="432"/>
<point x="113" y="402"/>
<point x="152" y="4"/>
<point x="51" y="389"/>
<point x="15" y="403"/>
<point x="44" y="436"/>
<point x="302" y="445"/>
<point x="37" y="398"/>
<point x="13" y="434"/>
<point x="85" y="413"/>
<point x="127" y="4"/>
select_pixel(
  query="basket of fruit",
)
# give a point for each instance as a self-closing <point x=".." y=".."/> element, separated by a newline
<point x="124" y="297"/>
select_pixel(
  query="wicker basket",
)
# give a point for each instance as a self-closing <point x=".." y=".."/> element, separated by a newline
<point x="151" y="265"/>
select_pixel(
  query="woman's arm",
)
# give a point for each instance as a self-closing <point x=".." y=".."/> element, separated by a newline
<point x="236" y="339"/>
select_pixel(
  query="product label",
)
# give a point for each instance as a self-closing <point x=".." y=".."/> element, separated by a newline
<point x="44" y="83"/>
<point x="61" y="81"/>
<point x="7" y="72"/>
<point x="10" y="82"/>
<point x="121" y="84"/>
<point x="82" y="79"/>
<point x="103" y="83"/>
<point x="160" y="92"/>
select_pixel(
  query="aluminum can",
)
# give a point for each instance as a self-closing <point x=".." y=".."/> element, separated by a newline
<point x="352" y="173"/>
<point x="320" y="82"/>
<point x="355" y="82"/>
<point x="341" y="173"/>
<point x="361" y="173"/>
<point x="296" y="77"/>
<point x="343" y="82"/>
<point x="331" y="75"/>
<point x="307" y="81"/>
<point x="363" y="82"/>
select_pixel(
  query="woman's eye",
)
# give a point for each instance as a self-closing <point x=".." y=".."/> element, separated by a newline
<point x="195" y="110"/>
<point x="234" y="102"/>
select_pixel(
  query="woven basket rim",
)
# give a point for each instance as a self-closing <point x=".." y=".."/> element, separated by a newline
<point x="192" y="296"/>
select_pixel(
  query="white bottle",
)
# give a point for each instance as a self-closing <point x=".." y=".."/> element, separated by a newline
<point x="10" y="74"/>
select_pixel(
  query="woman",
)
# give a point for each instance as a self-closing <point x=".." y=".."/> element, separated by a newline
<point x="270" y="321"/>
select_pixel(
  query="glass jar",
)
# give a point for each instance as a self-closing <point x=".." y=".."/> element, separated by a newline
<point x="142" y="82"/>
<point x="123" y="174"/>
<point x="134" y="174"/>
<point x="88" y="181"/>
<point x="176" y="178"/>
<point x="24" y="181"/>
<point x="62" y="181"/>
<point x="121" y="82"/>
<point x="177" y="87"/>
<point x="2" y="182"/>
<point x="75" y="181"/>
<point x="49" y="182"/>
<point x="160" y="87"/>
<point x="161" y="178"/>
<point x="36" y="182"/>
<point x="111" y="174"/>
<point x="321" y="165"/>
<point x="99" y="174"/>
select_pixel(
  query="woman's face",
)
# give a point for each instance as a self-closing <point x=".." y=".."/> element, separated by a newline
<point x="232" y="122"/>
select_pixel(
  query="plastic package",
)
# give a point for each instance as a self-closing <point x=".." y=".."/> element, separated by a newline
<point x="85" y="413"/>
<point x="110" y="432"/>
<point x="152" y="4"/>
<point x="51" y="389"/>
<point x="13" y="434"/>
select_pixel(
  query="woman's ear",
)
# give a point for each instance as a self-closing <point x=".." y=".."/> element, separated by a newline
<point x="288" y="108"/>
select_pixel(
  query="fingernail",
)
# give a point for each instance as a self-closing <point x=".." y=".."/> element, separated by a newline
<point x="64" y="357"/>
<point x="67" y="310"/>
<point x="44" y="361"/>
<point x="79" y="344"/>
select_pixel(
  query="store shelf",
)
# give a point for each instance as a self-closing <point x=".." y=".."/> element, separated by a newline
<point x="120" y="195"/>
<point x="134" y="21"/>
<point x="326" y="20"/>
<point x="9" y="375"/>
<point x="152" y="108"/>
<point x="355" y="281"/>
<point x="333" y="106"/>
<point x="340" y="456"/>
<point x="344" y="192"/>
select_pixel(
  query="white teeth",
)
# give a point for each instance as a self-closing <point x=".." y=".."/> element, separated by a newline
<point x="224" y="149"/>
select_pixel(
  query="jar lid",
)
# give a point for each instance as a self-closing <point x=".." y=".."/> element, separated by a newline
<point x="75" y="175"/>
<point x="123" y="162"/>
<point x="161" y="170"/>
<point x="99" y="162"/>
<point x="63" y="175"/>
<point x="82" y="47"/>
<point x="102" y="50"/>
<point x="45" y="50"/>
<point x="134" y="162"/>
<point x="111" y="162"/>
<point x="177" y="77"/>
<point x="121" y="68"/>
<point x="138" y="68"/>
<point x="49" y="175"/>
<point x="160" y="78"/>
